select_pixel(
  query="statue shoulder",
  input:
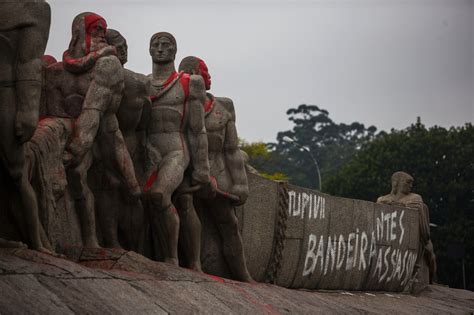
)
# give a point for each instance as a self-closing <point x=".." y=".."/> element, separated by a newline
<point x="415" y="197"/>
<point x="54" y="73"/>
<point x="108" y="65"/>
<point x="385" y="199"/>
<point x="196" y="81"/>
<point x="197" y="88"/>
<point x="227" y="104"/>
<point x="108" y="70"/>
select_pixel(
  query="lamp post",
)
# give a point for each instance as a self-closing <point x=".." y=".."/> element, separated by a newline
<point x="305" y="148"/>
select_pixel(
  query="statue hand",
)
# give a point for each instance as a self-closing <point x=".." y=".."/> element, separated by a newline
<point x="206" y="190"/>
<point x="242" y="191"/>
<point x="106" y="51"/>
<point x="25" y="125"/>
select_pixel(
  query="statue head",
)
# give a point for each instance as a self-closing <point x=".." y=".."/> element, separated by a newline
<point x="163" y="47"/>
<point x="116" y="39"/>
<point x="401" y="183"/>
<point x="88" y="34"/>
<point x="195" y="65"/>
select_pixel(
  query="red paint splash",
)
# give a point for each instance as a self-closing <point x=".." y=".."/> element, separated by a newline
<point x="170" y="79"/>
<point x="216" y="278"/>
<point x="208" y="105"/>
<point x="204" y="73"/>
<point x="90" y="22"/>
<point x="153" y="177"/>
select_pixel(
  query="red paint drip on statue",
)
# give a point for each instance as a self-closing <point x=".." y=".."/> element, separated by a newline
<point x="184" y="80"/>
<point x="208" y="105"/>
<point x="170" y="79"/>
<point x="150" y="181"/>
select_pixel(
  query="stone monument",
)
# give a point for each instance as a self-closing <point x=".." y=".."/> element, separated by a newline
<point x="24" y="30"/>
<point x="227" y="171"/>
<point x="175" y="140"/>
<point x="87" y="86"/>
<point x="401" y="195"/>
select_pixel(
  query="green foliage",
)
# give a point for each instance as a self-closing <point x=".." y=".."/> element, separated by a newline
<point x="330" y="144"/>
<point x="275" y="176"/>
<point x="441" y="161"/>
<point x="255" y="149"/>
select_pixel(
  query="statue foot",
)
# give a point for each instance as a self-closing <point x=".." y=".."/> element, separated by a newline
<point x="44" y="250"/>
<point x="92" y="243"/>
<point x="195" y="266"/>
<point x="172" y="261"/>
<point x="114" y="244"/>
<point x="248" y="279"/>
<point x="11" y="244"/>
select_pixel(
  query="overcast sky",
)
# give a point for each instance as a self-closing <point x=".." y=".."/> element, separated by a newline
<point x="377" y="62"/>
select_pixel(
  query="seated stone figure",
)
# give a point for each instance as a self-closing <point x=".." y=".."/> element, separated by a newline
<point x="228" y="174"/>
<point x="87" y="86"/>
<point x="175" y="138"/>
<point x="401" y="195"/>
<point x="24" y="30"/>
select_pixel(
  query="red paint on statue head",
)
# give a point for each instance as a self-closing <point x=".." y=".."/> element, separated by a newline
<point x="93" y="24"/>
<point x="204" y="72"/>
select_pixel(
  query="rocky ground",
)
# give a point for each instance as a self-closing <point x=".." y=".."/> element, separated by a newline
<point x="119" y="282"/>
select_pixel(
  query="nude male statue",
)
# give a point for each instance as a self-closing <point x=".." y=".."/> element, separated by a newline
<point x="227" y="170"/>
<point x="88" y="86"/>
<point x="24" y="31"/>
<point x="176" y="138"/>
<point x="111" y="203"/>
<point x="401" y="195"/>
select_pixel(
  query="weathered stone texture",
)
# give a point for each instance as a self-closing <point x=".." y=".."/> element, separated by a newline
<point x="35" y="283"/>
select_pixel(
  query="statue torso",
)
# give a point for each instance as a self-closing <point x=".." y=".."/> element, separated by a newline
<point x="134" y="97"/>
<point x="167" y="119"/>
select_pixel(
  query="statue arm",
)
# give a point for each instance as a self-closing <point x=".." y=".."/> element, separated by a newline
<point x="233" y="157"/>
<point x="31" y="48"/>
<point x="106" y="84"/>
<point x="196" y="134"/>
<point x="82" y="64"/>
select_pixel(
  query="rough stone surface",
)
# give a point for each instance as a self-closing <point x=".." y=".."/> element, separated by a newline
<point x="384" y="264"/>
<point x="32" y="282"/>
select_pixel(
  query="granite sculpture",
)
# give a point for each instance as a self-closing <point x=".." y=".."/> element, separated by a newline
<point x="401" y="195"/>
<point x="175" y="140"/>
<point x="86" y="137"/>
<point x="87" y="86"/>
<point x="115" y="208"/>
<point x="227" y="171"/>
<point x="24" y="31"/>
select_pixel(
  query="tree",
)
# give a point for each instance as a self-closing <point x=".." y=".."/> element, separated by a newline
<point x="331" y="144"/>
<point x="441" y="161"/>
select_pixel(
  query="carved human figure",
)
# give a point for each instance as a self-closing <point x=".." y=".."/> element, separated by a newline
<point x="401" y="195"/>
<point x="87" y="86"/>
<point x="175" y="137"/>
<point x="111" y="203"/>
<point x="227" y="170"/>
<point x="24" y="31"/>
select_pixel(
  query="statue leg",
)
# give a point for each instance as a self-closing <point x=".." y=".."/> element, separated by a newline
<point x="190" y="231"/>
<point x="12" y="155"/>
<point x="165" y="215"/>
<point x="108" y="203"/>
<point x="115" y="154"/>
<point x="228" y="225"/>
<point x="84" y="201"/>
